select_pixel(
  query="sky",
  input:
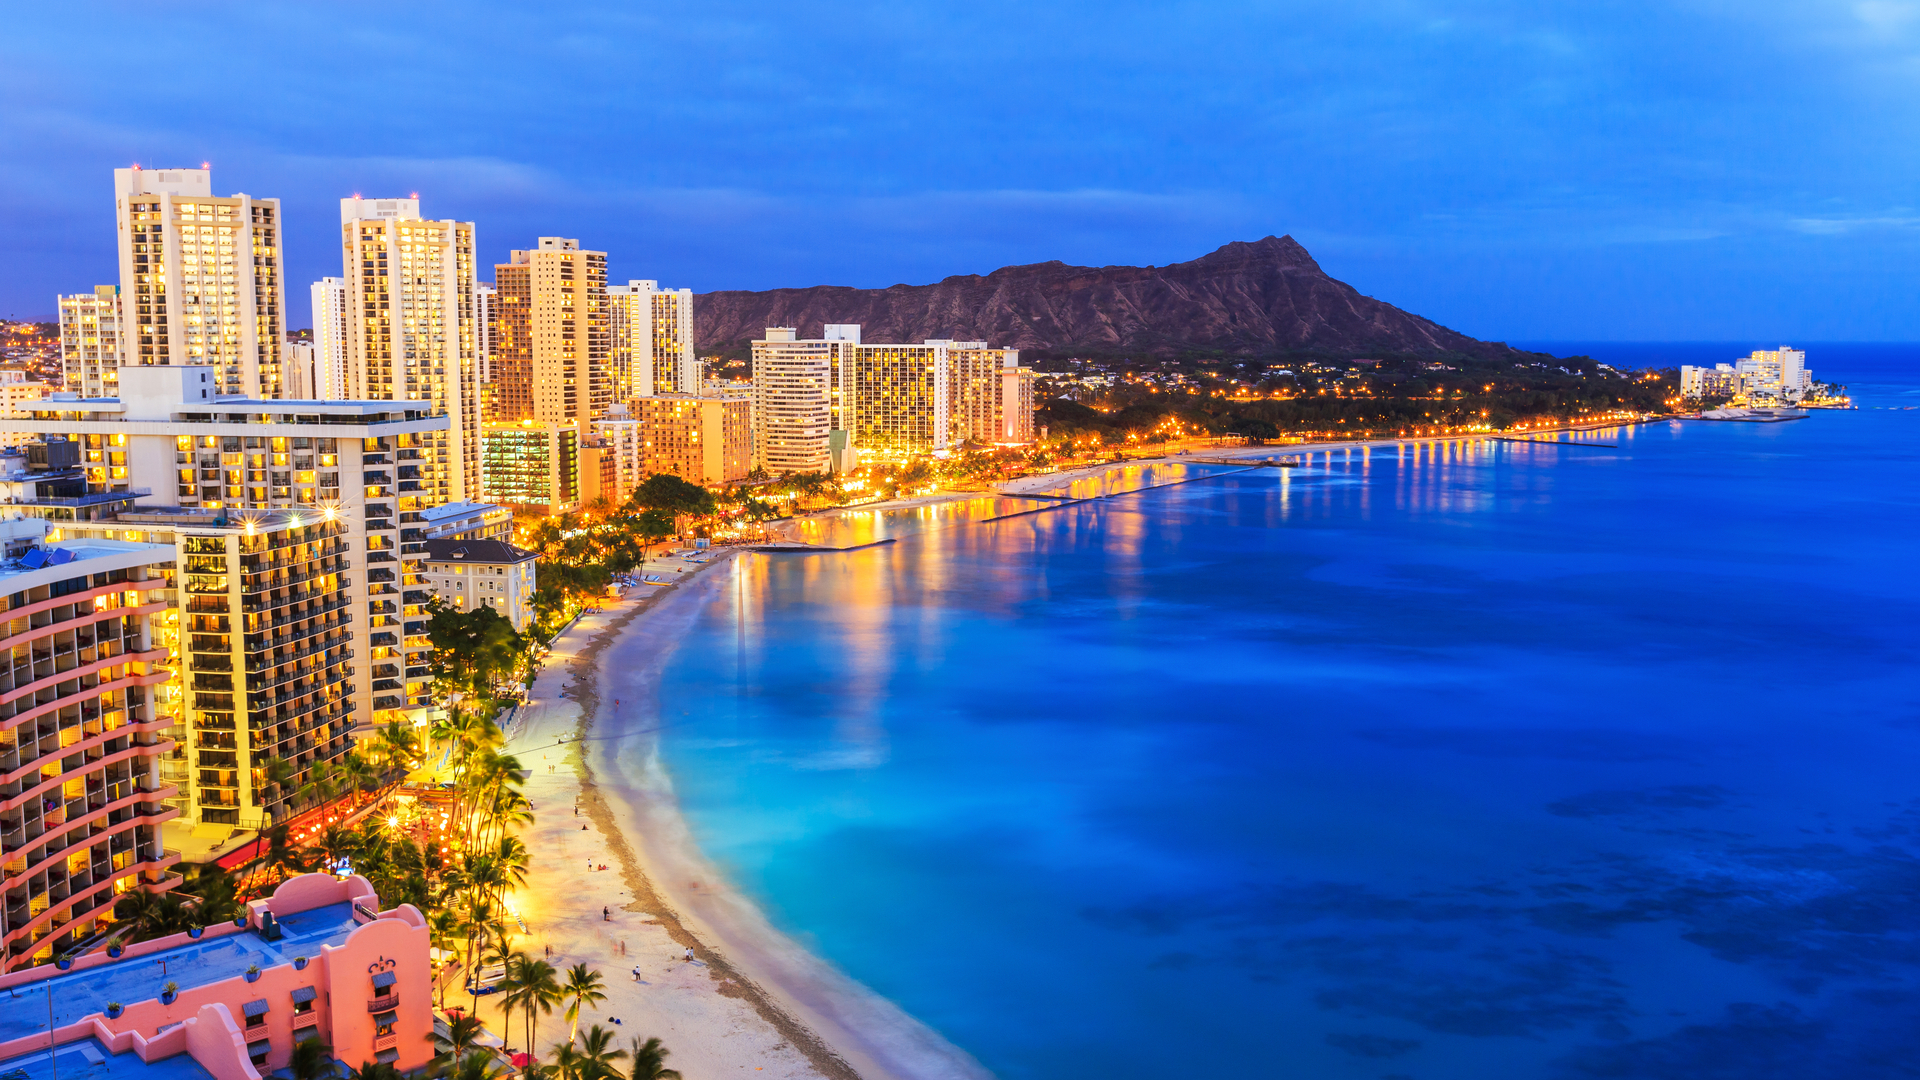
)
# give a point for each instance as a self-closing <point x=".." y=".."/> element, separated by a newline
<point x="1631" y="170"/>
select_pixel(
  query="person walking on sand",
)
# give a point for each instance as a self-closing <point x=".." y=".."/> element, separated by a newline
<point x="606" y="915"/>
<point x="689" y="954"/>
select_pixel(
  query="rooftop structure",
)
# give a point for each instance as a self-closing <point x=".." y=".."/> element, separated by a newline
<point x="466" y="520"/>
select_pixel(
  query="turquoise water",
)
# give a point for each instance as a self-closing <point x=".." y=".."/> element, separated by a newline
<point x="1512" y="760"/>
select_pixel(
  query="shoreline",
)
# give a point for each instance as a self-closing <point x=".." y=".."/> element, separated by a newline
<point x="812" y="1018"/>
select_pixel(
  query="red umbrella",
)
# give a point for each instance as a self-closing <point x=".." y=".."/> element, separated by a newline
<point x="521" y="1061"/>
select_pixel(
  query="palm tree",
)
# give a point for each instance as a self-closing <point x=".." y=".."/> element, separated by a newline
<point x="275" y="774"/>
<point x="539" y="993"/>
<point x="443" y="931"/>
<point x="597" y="1055"/>
<point x="566" y="1065"/>
<point x="312" y="1060"/>
<point x="460" y="1039"/>
<point x="583" y="988"/>
<point x="376" y="1070"/>
<point x="649" y="1062"/>
<point x="472" y="1065"/>
<point x="339" y="841"/>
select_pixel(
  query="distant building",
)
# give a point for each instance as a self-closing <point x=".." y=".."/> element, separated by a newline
<point x="470" y="573"/>
<point x="486" y="326"/>
<point x="530" y="465"/>
<point x="599" y="471"/>
<point x="652" y="333"/>
<point x="410" y="333"/>
<point x="990" y="395"/>
<point x="827" y="404"/>
<point x="330" y="339"/>
<point x="552" y="363"/>
<point x="1768" y="374"/>
<point x="200" y="278"/>
<point x="90" y="341"/>
<point x="795" y="403"/>
<point x="297" y="371"/>
<point x="705" y="440"/>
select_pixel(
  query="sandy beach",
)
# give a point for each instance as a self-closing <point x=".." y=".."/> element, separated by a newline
<point x="609" y="835"/>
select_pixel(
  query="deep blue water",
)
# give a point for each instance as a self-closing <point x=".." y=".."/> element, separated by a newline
<point x="1515" y="761"/>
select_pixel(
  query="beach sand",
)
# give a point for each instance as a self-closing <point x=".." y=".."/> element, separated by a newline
<point x="752" y="1000"/>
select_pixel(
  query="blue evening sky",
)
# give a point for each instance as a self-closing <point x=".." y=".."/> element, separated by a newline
<point x="1600" y="171"/>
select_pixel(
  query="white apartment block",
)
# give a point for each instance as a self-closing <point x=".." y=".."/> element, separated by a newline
<point x="330" y="339"/>
<point x="297" y="374"/>
<point x="200" y="278"/>
<point x="469" y="574"/>
<point x="796" y="403"/>
<point x="653" y="341"/>
<point x="411" y="333"/>
<point x="90" y="341"/>
<point x="171" y="440"/>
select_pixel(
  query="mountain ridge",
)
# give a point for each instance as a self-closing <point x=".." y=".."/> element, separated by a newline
<point x="1264" y="297"/>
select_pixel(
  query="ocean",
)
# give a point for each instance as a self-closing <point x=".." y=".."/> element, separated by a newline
<point x="1496" y="760"/>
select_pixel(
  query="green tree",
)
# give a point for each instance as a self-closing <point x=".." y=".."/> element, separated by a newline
<point x="583" y="987"/>
<point x="312" y="1060"/>
<point x="649" y="1061"/>
<point x="665" y="491"/>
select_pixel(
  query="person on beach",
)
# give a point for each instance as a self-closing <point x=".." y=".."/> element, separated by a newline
<point x="689" y="954"/>
<point x="606" y="915"/>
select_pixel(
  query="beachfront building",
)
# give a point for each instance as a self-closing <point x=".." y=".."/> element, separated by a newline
<point x="796" y="420"/>
<point x="90" y="341"/>
<point x="827" y="404"/>
<point x="705" y="440"/>
<point x="82" y="730"/>
<point x="492" y="573"/>
<point x="410" y="334"/>
<point x="990" y="396"/>
<point x="266" y="634"/>
<point x="327" y="964"/>
<point x="200" y="279"/>
<point x="1718" y="381"/>
<point x="1776" y="374"/>
<point x="552" y="362"/>
<point x="169" y="439"/>
<point x="529" y="465"/>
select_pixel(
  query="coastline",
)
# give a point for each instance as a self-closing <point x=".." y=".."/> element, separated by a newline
<point x="788" y="1012"/>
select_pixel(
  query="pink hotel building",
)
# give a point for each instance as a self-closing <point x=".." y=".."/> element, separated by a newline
<point x="317" y="959"/>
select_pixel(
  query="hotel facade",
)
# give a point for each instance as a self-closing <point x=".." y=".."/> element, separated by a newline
<point x="200" y="278"/>
<point x="553" y="351"/>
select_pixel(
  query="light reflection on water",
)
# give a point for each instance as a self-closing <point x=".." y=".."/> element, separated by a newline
<point x="1442" y="760"/>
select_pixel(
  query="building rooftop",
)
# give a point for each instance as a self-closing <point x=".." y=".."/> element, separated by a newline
<point x="476" y="551"/>
<point x="87" y="1059"/>
<point x="75" y="558"/>
<point x="139" y="978"/>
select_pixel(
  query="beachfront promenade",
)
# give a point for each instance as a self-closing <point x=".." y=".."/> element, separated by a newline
<point x="710" y="1027"/>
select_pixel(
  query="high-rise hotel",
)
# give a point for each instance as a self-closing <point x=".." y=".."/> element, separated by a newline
<point x="410" y="333"/>
<point x="652" y="341"/>
<point x="200" y="278"/>
<point x="553" y="347"/>
<point x="820" y="405"/>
